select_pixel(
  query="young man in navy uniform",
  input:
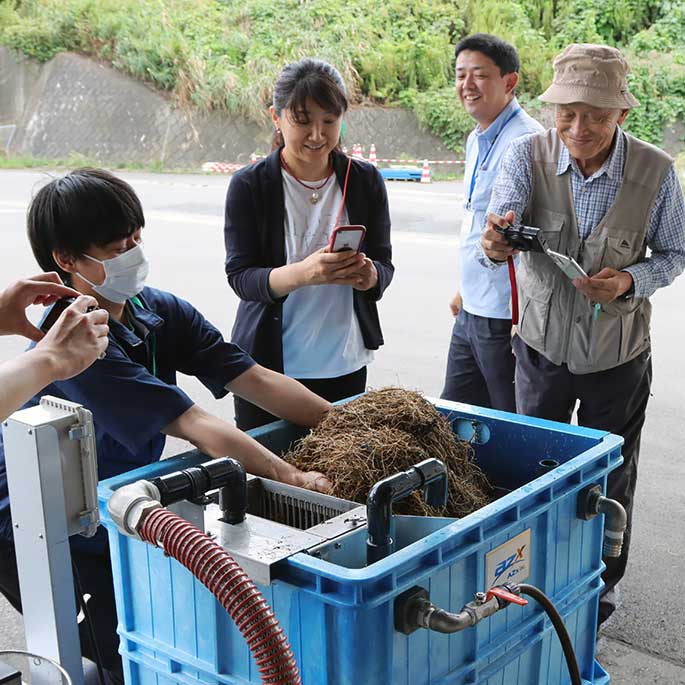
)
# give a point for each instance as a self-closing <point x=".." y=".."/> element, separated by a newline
<point x="87" y="227"/>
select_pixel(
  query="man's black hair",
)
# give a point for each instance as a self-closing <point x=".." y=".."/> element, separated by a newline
<point x="86" y="207"/>
<point x="503" y="54"/>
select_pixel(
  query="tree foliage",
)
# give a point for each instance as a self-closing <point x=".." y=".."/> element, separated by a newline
<point x="226" y="54"/>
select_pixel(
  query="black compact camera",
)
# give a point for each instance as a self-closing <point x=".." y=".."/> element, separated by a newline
<point x="57" y="308"/>
<point x="524" y="238"/>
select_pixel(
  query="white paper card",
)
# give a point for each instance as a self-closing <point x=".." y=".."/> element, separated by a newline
<point x="510" y="562"/>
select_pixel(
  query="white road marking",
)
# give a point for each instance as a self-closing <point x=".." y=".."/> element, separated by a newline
<point x="398" y="237"/>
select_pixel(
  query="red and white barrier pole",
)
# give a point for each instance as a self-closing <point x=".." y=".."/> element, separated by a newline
<point x="229" y="168"/>
<point x="426" y="172"/>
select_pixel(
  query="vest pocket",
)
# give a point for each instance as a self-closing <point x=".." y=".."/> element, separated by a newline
<point x="551" y="223"/>
<point x="634" y="333"/>
<point x="622" y="251"/>
<point x="533" y="321"/>
<point x="606" y="339"/>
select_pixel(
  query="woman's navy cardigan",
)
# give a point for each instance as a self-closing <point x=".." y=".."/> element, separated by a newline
<point x="255" y="244"/>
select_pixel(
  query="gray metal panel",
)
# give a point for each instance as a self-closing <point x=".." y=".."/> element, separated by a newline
<point x="33" y="438"/>
<point x="258" y="544"/>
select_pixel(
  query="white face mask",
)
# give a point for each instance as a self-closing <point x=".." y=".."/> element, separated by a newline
<point x="125" y="275"/>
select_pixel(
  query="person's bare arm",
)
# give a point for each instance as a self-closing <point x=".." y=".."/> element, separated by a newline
<point x="73" y="343"/>
<point x="279" y="395"/>
<point x="217" y="438"/>
<point x="21" y="378"/>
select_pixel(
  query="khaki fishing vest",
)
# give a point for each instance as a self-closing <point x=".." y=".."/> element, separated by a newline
<point x="557" y="320"/>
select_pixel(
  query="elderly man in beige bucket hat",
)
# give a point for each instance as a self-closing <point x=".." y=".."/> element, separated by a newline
<point x="602" y="197"/>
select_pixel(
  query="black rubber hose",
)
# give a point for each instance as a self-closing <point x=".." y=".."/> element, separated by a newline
<point x="541" y="598"/>
<point x="83" y="605"/>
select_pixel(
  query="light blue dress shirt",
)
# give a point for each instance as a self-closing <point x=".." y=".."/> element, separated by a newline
<point x="486" y="292"/>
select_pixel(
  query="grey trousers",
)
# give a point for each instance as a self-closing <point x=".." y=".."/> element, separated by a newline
<point x="480" y="364"/>
<point x="614" y="400"/>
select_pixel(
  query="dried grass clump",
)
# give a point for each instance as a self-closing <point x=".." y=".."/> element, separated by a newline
<point x="384" y="432"/>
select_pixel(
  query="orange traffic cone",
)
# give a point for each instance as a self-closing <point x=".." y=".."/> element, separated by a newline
<point x="372" y="155"/>
<point x="426" y="172"/>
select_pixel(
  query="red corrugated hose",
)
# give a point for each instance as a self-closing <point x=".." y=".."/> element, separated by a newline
<point x="225" y="579"/>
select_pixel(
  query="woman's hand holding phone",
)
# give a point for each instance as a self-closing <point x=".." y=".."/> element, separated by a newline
<point x="350" y="239"/>
<point x="319" y="268"/>
<point x="339" y="263"/>
<point x="331" y="268"/>
<point x="367" y="275"/>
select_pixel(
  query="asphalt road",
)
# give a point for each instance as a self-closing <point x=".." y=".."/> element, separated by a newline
<point x="645" y="642"/>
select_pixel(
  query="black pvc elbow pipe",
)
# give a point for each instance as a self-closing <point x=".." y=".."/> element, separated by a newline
<point x="442" y="621"/>
<point x="431" y="475"/>
<point x="227" y="475"/>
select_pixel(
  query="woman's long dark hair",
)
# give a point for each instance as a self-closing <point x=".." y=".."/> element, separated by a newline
<point x="308" y="78"/>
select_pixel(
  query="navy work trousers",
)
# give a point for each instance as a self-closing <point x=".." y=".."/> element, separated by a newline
<point x="615" y="401"/>
<point x="248" y="415"/>
<point x="480" y="363"/>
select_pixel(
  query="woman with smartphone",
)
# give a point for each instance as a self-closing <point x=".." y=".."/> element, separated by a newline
<point x="307" y="310"/>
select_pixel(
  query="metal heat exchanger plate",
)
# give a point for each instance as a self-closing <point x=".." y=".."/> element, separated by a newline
<point x="258" y="544"/>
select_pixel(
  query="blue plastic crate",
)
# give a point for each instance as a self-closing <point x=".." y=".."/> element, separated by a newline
<point x="407" y="174"/>
<point x="338" y="614"/>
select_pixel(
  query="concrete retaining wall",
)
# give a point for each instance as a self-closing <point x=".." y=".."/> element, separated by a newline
<point x="72" y="104"/>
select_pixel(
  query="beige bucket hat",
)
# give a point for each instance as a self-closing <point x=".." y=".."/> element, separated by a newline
<point x="593" y="74"/>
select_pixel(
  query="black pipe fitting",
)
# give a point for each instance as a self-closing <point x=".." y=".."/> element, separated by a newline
<point x="413" y="610"/>
<point x="431" y="475"/>
<point x="546" y="465"/>
<point x="226" y="475"/>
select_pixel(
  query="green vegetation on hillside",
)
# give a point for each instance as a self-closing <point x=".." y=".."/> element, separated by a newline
<point x="226" y="54"/>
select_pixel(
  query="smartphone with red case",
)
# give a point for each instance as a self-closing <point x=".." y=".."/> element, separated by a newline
<point x="347" y="238"/>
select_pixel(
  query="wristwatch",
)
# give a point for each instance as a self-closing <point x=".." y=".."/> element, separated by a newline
<point x="628" y="294"/>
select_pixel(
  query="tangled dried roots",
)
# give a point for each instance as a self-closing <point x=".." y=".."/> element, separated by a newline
<point x="384" y="432"/>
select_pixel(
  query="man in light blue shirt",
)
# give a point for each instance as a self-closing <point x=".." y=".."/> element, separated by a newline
<point x="480" y="364"/>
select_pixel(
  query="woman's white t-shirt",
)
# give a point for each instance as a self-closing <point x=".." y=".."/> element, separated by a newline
<point x="321" y="334"/>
